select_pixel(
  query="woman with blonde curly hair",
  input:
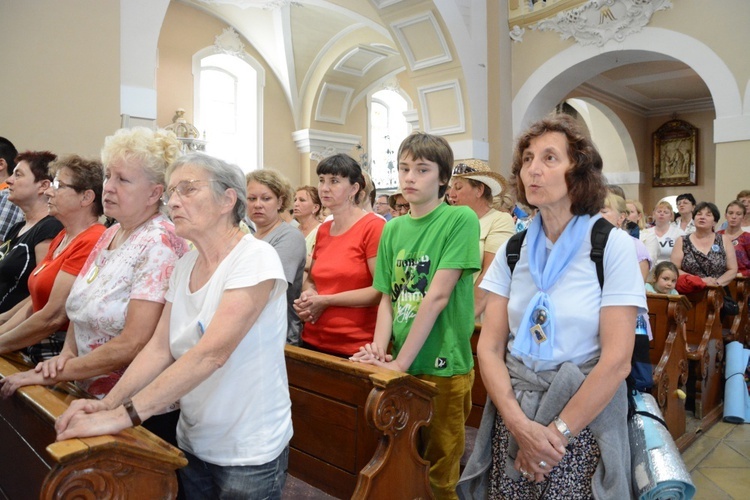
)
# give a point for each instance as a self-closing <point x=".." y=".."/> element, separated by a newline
<point x="269" y="194"/>
<point x="118" y="296"/>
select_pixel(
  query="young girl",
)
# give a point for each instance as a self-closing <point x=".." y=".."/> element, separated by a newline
<point x="664" y="279"/>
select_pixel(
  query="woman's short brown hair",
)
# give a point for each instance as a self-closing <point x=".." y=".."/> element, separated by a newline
<point x="586" y="187"/>
<point x="88" y="174"/>
<point x="276" y="182"/>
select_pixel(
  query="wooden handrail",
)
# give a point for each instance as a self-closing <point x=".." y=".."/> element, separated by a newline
<point x="131" y="463"/>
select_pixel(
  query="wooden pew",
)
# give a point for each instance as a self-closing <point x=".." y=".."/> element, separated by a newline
<point x="131" y="464"/>
<point x="356" y="426"/>
<point x="705" y="354"/>
<point x="737" y="325"/>
<point x="668" y="354"/>
<point x="478" y="392"/>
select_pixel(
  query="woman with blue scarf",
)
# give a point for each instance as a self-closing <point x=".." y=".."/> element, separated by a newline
<point x="556" y="346"/>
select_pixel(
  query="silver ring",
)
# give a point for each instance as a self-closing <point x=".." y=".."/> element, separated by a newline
<point x="542" y="464"/>
<point x="525" y="473"/>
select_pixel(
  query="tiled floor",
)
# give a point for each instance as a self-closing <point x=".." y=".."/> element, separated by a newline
<point x="719" y="462"/>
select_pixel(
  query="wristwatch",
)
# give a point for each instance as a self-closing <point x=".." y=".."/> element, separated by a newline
<point x="563" y="428"/>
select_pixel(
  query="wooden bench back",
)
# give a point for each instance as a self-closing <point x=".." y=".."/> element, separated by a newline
<point x="132" y="464"/>
<point x="738" y="324"/>
<point x="706" y="353"/>
<point x="356" y="426"/>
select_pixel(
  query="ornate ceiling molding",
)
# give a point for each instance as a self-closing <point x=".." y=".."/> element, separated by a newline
<point x="257" y="4"/>
<point x="229" y="43"/>
<point x="600" y="21"/>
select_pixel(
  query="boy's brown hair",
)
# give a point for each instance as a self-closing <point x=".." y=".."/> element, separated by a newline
<point x="434" y="148"/>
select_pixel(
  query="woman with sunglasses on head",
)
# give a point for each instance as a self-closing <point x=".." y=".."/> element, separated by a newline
<point x="338" y="303"/>
<point x="27" y="241"/>
<point x="75" y="199"/>
<point x="474" y="185"/>
<point x="118" y="296"/>
<point x="218" y="347"/>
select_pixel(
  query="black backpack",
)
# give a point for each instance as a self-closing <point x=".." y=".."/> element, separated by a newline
<point x="641" y="374"/>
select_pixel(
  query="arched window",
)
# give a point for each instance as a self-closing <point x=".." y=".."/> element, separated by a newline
<point x="228" y="106"/>
<point x="388" y="128"/>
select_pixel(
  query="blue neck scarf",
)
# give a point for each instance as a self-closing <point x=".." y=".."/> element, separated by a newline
<point x="545" y="272"/>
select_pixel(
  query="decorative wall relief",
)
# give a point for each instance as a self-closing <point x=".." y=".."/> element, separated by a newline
<point x="675" y="154"/>
<point x="229" y="43"/>
<point x="599" y="21"/>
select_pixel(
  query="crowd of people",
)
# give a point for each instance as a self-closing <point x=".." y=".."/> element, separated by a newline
<point x="160" y="283"/>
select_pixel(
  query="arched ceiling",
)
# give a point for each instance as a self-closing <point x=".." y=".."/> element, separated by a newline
<point x="345" y="44"/>
<point x="346" y="48"/>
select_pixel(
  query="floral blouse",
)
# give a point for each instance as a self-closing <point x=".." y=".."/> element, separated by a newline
<point x="138" y="269"/>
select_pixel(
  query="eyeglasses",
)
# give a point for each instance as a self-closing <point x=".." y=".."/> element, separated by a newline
<point x="184" y="189"/>
<point x="401" y="206"/>
<point x="58" y="184"/>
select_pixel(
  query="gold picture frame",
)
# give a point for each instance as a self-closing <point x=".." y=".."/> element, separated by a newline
<point x="675" y="154"/>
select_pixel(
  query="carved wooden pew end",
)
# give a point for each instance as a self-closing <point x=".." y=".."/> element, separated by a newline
<point x="131" y="464"/>
<point x="356" y="427"/>
<point x="705" y="354"/>
<point x="668" y="315"/>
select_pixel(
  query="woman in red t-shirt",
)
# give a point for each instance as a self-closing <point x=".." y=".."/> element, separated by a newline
<point x="39" y="323"/>
<point x="338" y="303"/>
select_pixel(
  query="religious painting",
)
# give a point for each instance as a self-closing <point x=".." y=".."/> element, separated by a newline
<point x="675" y="154"/>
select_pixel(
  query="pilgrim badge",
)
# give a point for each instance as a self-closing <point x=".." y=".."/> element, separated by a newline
<point x="540" y="316"/>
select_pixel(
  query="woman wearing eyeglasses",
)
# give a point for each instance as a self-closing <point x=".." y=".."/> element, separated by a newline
<point x="75" y="199"/>
<point x="399" y="205"/>
<point x="118" y="296"/>
<point x="27" y="241"/>
<point x="474" y="185"/>
<point x="218" y="349"/>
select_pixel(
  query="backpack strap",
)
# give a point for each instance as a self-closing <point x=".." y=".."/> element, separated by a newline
<point x="513" y="250"/>
<point x="599" y="235"/>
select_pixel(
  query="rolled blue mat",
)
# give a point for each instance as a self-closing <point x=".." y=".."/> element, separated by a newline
<point x="658" y="469"/>
<point x="736" y="398"/>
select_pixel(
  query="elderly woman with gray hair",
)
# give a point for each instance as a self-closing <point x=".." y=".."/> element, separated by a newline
<point x="223" y="328"/>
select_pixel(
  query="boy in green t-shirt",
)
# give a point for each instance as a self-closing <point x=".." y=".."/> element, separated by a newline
<point x="424" y="270"/>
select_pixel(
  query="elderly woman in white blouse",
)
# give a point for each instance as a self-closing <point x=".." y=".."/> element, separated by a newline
<point x="218" y="347"/>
